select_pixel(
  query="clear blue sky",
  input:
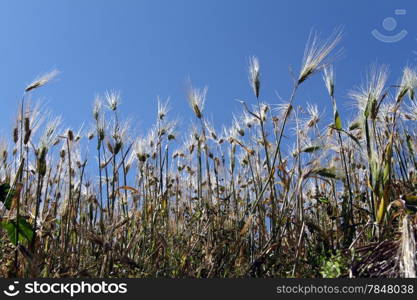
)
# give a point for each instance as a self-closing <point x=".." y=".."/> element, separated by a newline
<point x="149" y="48"/>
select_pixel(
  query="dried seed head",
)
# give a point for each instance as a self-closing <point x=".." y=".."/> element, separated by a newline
<point x="237" y="127"/>
<point x="42" y="80"/>
<point x="196" y="100"/>
<point x="316" y="55"/>
<point x="27" y="124"/>
<point x="175" y="155"/>
<point x="283" y="110"/>
<point x="410" y="111"/>
<point x="264" y="110"/>
<point x="3" y="150"/>
<point x="118" y="146"/>
<point x="15" y="135"/>
<point x="371" y="91"/>
<point x="4" y="155"/>
<point x="50" y="136"/>
<point x="97" y="108"/>
<point x="328" y="77"/>
<point x="27" y="136"/>
<point x="113" y="99"/>
<point x="41" y="162"/>
<point x="211" y="131"/>
<point x="408" y="84"/>
<point x="100" y="135"/>
<point x="163" y="108"/>
<point x="254" y="75"/>
<point x="190" y="145"/>
<point x="248" y="119"/>
<point x="110" y="147"/>
<point x="140" y="149"/>
<point x="70" y="135"/>
<point x="314" y="115"/>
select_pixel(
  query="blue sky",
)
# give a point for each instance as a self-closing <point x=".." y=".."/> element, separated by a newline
<point x="149" y="48"/>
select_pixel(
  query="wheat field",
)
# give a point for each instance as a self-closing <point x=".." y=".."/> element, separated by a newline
<point x="275" y="194"/>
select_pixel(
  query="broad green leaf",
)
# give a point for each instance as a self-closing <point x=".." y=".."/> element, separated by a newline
<point x="24" y="228"/>
<point x="6" y="195"/>
<point x="387" y="161"/>
<point x="324" y="200"/>
<point x="382" y="207"/>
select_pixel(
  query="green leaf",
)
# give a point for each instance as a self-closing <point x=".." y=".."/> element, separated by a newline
<point x="387" y="161"/>
<point x="371" y="108"/>
<point x="24" y="228"/>
<point x="326" y="172"/>
<point x="337" y="121"/>
<point x="324" y="200"/>
<point x="6" y="195"/>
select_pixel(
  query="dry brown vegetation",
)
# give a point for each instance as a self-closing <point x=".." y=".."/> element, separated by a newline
<point x="234" y="203"/>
